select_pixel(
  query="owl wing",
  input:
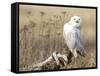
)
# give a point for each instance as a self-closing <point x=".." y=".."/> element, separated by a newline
<point x="79" y="39"/>
<point x="79" y="43"/>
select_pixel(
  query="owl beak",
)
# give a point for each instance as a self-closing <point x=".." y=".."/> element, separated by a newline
<point x="77" y="21"/>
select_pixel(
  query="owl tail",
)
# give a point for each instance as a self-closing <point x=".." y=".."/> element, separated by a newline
<point x="82" y="52"/>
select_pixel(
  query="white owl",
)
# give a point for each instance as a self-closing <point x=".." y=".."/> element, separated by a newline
<point x="73" y="37"/>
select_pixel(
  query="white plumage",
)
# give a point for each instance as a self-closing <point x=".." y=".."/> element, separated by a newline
<point x="73" y="37"/>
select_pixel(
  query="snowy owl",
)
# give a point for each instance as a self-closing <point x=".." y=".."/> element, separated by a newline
<point x="73" y="37"/>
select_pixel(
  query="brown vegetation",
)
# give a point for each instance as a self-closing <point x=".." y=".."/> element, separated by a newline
<point x="41" y="34"/>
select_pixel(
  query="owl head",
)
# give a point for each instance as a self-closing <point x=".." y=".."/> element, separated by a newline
<point x="76" y="21"/>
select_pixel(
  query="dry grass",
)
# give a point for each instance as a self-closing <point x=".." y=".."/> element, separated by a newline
<point x="41" y="34"/>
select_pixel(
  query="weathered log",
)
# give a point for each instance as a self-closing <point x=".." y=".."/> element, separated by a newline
<point x="55" y="61"/>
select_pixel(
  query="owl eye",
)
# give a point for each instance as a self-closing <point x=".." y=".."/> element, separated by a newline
<point x="74" y="18"/>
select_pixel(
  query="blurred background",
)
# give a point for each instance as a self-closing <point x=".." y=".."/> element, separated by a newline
<point x="41" y="33"/>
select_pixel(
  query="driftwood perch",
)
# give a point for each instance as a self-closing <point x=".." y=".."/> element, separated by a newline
<point x="55" y="61"/>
